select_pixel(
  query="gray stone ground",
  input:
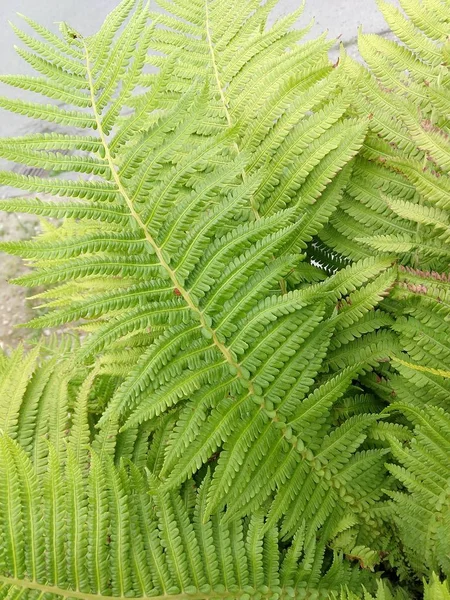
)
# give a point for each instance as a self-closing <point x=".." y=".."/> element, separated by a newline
<point x="340" y="17"/>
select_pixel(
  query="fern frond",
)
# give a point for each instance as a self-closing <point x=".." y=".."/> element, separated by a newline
<point x="209" y="198"/>
<point x="45" y="397"/>
<point x="421" y="510"/>
<point x="115" y="539"/>
<point x="403" y="94"/>
<point x="410" y="32"/>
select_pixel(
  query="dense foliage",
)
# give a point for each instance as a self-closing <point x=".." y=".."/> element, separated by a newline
<point x="250" y="245"/>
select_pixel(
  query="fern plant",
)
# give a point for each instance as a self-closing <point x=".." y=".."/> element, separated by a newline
<point x="234" y="422"/>
<point x="194" y="257"/>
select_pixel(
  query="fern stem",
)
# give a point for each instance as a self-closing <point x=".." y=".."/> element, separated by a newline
<point x="66" y="593"/>
<point x="158" y="251"/>
<point x="223" y="98"/>
<point x="220" y="87"/>
<point x="215" y="68"/>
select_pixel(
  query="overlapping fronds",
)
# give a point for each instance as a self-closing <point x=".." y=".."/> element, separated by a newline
<point x="288" y="150"/>
<point x="256" y="246"/>
<point x="418" y="310"/>
<point x="190" y="237"/>
<point x="398" y="199"/>
<point x="48" y="398"/>
<point x="283" y="97"/>
<point x="397" y="202"/>
<point x="261" y="412"/>
<point x="99" y="531"/>
<point x="34" y="401"/>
